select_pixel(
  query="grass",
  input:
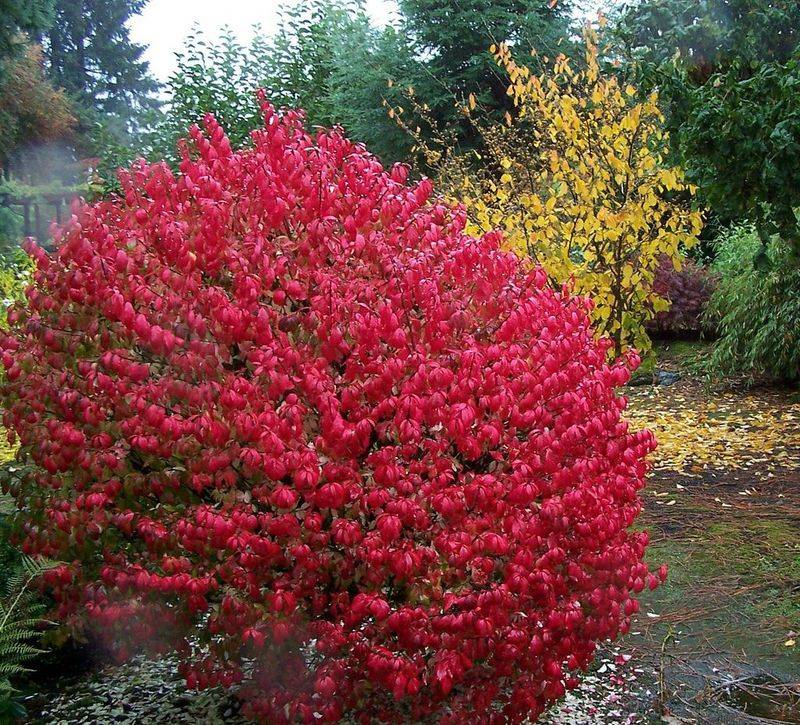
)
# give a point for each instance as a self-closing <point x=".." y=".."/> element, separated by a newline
<point x="753" y="566"/>
<point x="688" y="356"/>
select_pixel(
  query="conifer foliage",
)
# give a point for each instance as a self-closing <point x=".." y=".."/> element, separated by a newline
<point x="287" y="418"/>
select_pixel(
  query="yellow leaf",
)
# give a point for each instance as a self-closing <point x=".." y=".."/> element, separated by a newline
<point x="576" y="194"/>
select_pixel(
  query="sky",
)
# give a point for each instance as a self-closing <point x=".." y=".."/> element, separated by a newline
<point x="164" y="24"/>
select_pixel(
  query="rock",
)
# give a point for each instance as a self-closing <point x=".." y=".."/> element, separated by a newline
<point x="665" y="377"/>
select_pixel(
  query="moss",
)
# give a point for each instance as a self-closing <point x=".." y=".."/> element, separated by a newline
<point x="739" y="578"/>
<point x="757" y="549"/>
<point x="689" y="356"/>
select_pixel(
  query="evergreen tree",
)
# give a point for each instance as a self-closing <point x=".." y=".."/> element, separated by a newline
<point x="18" y="17"/>
<point x="89" y="53"/>
<point x="452" y="37"/>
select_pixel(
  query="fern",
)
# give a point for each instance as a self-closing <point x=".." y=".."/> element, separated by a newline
<point x="21" y="614"/>
<point x="21" y="609"/>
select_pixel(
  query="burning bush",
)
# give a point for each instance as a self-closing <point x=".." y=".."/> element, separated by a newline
<point x="285" y="416"/>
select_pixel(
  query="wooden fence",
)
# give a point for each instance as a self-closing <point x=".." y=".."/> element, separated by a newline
<point x="38" y="211"/>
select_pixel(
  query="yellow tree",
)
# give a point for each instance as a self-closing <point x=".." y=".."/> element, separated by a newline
<point x="580" y="185"/>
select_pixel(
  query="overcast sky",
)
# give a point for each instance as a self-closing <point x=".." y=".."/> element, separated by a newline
<point x="164" y="24"/>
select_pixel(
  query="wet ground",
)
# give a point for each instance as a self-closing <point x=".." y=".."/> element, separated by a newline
<point x="719" y="643"/>
<point x="722" y="638"/>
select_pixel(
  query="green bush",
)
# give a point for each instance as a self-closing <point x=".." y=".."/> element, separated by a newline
<point x="16" y="269"/>
<point x="756" y="307"/>
<point x="21" y="606"/>
<point x="10" y="230"/>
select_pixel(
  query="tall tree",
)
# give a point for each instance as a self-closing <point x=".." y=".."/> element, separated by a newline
<point x="18" y="17"/>
<point x="299" y="61"/>
<point x="89" y="53"/>
<point x="325" y="58"/>
<point x="330" y="60"/>
<point x="453" y="39"/>
<point x="217" y="76"/>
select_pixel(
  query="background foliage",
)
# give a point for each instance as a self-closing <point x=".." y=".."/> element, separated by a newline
<point x="727" y="71"/>
<point x="757" y="311"/>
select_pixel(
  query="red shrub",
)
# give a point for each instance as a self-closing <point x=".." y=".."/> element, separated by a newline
<point x="286" y="417"/>
<point x="688" y="291"/>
